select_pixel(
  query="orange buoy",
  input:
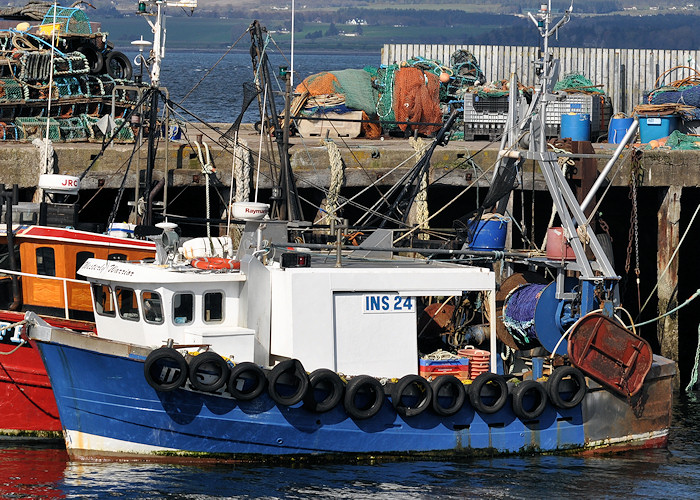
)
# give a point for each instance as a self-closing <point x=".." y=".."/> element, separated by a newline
<point x="215" y="263"/>
<point x="444" y="77"/>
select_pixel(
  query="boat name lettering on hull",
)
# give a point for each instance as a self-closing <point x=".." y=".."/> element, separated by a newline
<point x="114" y="269"/>
<point x="385" y="303"/>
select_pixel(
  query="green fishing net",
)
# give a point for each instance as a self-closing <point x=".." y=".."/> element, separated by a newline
<point x="577" y="82"/>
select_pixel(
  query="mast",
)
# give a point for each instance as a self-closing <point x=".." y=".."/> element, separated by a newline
<point x="287" y="205"/>
<point x="155" y="8"/>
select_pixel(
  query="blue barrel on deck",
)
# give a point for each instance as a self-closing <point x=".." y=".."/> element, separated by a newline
<point x="618" y="128"/>
<point x="488" y="234"/>
<point x="577" y="126"/>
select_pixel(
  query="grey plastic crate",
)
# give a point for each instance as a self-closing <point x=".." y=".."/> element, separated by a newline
<point x="592" y="105"/>
<point x="483" y="131"/>
<point x="485" y="109"/>
<point x="487" y="116"/>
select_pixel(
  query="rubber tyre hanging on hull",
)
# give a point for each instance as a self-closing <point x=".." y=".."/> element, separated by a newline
<point x="247" y="381"/>
<point x="165" y="369"/>
<point x="326" y="382"/>
<point x="287" y="374"/>
<point x="363" y="386"/>
<point x="496" y="390"/>
<point x="208" y="372"/>
<point x="556" y="387"/>
<point x="456" y="394"/>
<point x="118" y="65"/>
<point x="529" y="389"/>
<point x="411" y="387"/>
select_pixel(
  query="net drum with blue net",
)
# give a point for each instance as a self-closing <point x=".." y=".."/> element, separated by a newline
<point x="533" y="315"/>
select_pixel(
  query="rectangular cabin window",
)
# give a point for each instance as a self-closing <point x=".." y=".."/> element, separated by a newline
<point x="126" y="303"/>
<point x="213" y="307"/>
<point x="116" y="256"/>
<point x="183" y="308"/>
<point x="45" y="261"/>
<point x="80" y="259"/>
<point x="104" y="306"/>
<point x="152" y="307"/>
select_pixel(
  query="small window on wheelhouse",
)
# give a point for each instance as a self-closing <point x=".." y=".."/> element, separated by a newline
<point x="103" y="300"/>
<point x="126" y="303"/>
<point x="183" y="308"/>
<point x="80" y="259"/>
<point x="116" y="256"/>
<point x="213" y="307"/>
<point x="45" y="261"/>
<point x="152" y="307"/>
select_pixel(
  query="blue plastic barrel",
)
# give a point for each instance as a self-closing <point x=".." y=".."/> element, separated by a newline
<point x="576" y="126"/>
<point x="488" y="234"/>
<point x="618" y="128"/>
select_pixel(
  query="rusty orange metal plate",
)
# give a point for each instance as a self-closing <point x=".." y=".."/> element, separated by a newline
<point x="609" y="353"/>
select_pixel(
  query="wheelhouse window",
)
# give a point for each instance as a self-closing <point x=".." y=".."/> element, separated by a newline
<point x="183" y="308"/>
<point x="213" y="307"/>
<point x="45" y="261"/>
<point x="126" y="303"/>
<point x="104" y="306"/>
<point x="151" y="304"/>
<point x="80" y="259"/>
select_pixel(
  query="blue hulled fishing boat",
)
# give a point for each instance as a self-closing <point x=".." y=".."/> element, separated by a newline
<point x="277" y="347"/>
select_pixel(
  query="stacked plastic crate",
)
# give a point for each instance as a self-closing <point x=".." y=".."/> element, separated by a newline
<point x="484" y="117"/>
<point x="598" y="107"/>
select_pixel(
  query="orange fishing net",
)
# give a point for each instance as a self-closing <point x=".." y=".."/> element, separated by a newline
<point x="370" y="130"/>
<point x="320" y="84"/>
<point x="417" y="99"/>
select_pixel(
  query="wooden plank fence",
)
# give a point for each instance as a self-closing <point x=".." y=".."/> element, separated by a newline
<point x="625" y="74"/>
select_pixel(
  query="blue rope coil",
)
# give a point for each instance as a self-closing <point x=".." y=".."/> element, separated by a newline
<point x="519" y="314"/>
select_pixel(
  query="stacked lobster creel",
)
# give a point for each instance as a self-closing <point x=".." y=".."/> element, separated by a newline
<point x="363" y="396"/>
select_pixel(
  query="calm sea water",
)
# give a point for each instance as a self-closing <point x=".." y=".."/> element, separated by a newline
<point x="214" y="84"/>
<point x="40" y="471"/>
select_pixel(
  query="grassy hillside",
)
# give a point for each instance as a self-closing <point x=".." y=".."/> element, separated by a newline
<point x="322" y="25"/>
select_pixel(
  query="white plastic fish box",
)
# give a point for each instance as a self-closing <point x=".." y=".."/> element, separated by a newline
<point x="22" y="213"/>
<point x="490" y="110"/>
<point x="598" y="107"/>
<point x="484" y="117"/>
<point x="328" y="123"/>
<point x="486" y="131"/>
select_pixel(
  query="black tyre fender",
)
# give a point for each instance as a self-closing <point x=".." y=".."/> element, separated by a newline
<point x="288" y="370"/>
<point x="457" y="394"/>
<point x="494" y="382"/>
<point x="368" y="385"/>
<point x="536" y="390"/>
<point x="328" y="381"/>
<point x="118" y="65"/>
<point x="411" y="385"/>
<point x="246" y="381"/>
<point x="208" y="372"/>
<point x="93" y="56"/>
<point x="554" y="386"/>
<point x="165" y="369"/>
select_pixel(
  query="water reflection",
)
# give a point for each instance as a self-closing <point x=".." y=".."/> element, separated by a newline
<point x="41" y="471"/>
<point x="31" y="469"/>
